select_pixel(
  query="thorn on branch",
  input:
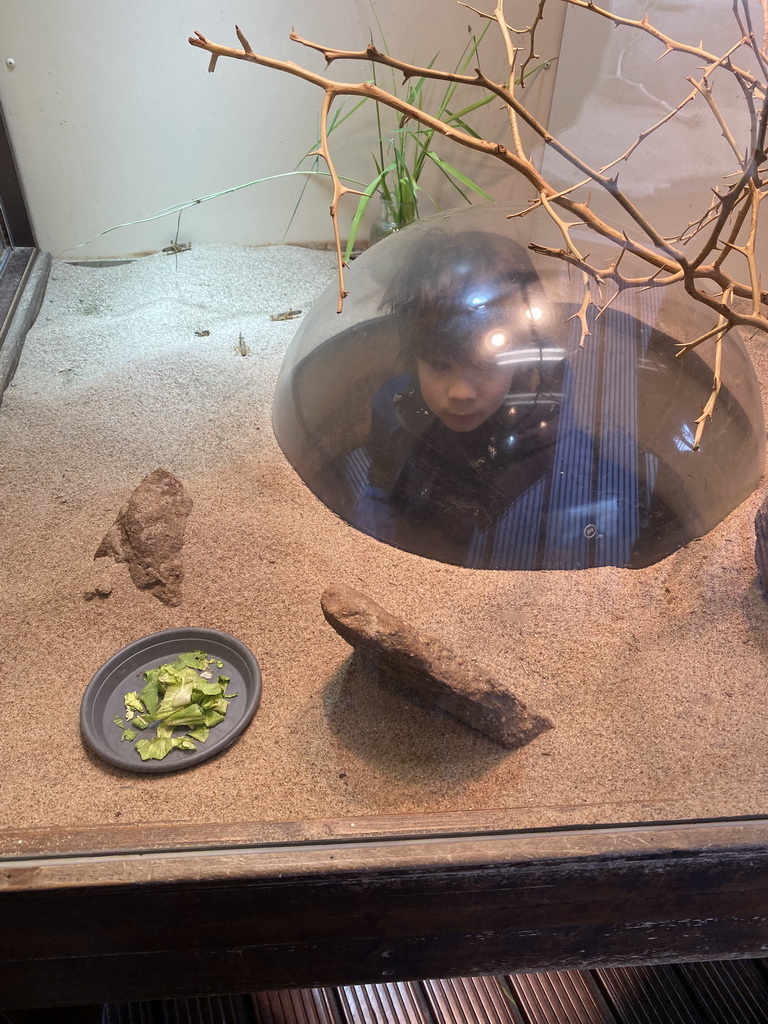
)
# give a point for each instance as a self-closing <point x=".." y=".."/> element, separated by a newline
<point x="212" y="63"/>
<point x="581" y="316"/>
<point x="243" y="41"/>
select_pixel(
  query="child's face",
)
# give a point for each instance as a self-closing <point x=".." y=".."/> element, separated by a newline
<point x="462" y="395"/>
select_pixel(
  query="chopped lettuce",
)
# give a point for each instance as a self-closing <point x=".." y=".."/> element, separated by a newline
<point x="180" y="695"/>
<point x="150" y="695"/>
<point x="190" y="714"/>
<point x="196" y="660"/>
<point x="155" y="749"/>
<point x="132" y="702"/>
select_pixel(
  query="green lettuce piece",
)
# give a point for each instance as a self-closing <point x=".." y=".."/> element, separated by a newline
<point x="176" y="676"/>
<point x="179" y="695"/>
<point x="212" y="718"/>
<point x="119" y="722"/>
<point x="132" y="702"/>
<point x="168" y="678"/>
<point x="200" y="733"/>
<point x="129" y="734"/>
<point x="214" y="704"/>
<point x="224" y="682"/>
<point x="192" y="714"/>
<point x="158" y="748"/>
<point x="155" y="749"/>
<point x="197" y="659"/>
<point x="150" y="695"/>
<point x="142" y="721"/>
<point x="204" y="688"/>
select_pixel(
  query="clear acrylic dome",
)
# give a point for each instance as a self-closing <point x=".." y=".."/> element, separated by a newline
<point x="450" y="409"/>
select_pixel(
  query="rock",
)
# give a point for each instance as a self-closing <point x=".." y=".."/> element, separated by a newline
<point x="98" y="591"/>
<point x="148" y="534"/>
<point x="460" y="687"/>
<point x="761" y="542"/>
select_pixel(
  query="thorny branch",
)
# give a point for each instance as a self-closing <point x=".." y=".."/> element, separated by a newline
<point x="729" y="225"/>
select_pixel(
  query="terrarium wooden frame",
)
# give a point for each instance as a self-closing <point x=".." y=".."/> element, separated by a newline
<point x="271" y="905"/>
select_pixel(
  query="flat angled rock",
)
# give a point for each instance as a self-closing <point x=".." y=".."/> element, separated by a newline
<point x="460" y="687"/>
<point x="148" y="534"/>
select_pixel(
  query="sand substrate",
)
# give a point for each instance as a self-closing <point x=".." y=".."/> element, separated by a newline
<point x="655" y="679"/>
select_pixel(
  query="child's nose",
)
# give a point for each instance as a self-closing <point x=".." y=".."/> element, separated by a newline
<point x="461" y="389"/>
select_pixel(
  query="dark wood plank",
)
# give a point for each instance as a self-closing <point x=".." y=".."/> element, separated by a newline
<point x="344" y="912"/>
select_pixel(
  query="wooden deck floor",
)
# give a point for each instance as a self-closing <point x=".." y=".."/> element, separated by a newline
<point x="724" y="992"/>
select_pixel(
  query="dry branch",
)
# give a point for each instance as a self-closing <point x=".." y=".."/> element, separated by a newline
<point x="732" y="212"/>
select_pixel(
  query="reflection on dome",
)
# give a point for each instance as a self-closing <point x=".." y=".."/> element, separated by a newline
<point x="451" y="411"/>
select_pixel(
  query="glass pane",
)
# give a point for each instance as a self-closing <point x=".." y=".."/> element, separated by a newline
<point x="456" y="409"/>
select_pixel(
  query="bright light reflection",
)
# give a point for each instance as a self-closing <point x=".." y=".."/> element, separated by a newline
<point x="497" y="340"/>
<point x="531" y="355"/>
<point x="534" y="314"/>
<point x="684" y="443"/>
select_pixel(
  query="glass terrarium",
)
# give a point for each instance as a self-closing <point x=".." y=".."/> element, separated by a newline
<point x="460" y="408"/>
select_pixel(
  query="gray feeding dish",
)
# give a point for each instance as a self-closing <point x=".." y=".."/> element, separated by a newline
<point x="104" y="696"/>
<point x="450" y="410"/>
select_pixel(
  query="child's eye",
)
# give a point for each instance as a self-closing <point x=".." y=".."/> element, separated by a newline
<point x="439" y="365"/>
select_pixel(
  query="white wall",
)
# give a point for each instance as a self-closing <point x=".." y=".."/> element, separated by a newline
<point x="113" y="116"/>
<point x="617" y="88"/>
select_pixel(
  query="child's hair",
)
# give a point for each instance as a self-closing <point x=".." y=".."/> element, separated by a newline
<point x="457" y="289"/>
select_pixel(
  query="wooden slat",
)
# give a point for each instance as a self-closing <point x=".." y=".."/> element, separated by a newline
<point x="649" y="995"/>
<point x="726" y="992"/>
<point x="127" y="1013"/>
<point x="399" y="1002"/>
<point x="561" y="997"/>
<point x="731" y="991"/>
<point x="226" y="1009"/>
<point x="483" y="1000"/>
<point x="296" y="1006"/>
